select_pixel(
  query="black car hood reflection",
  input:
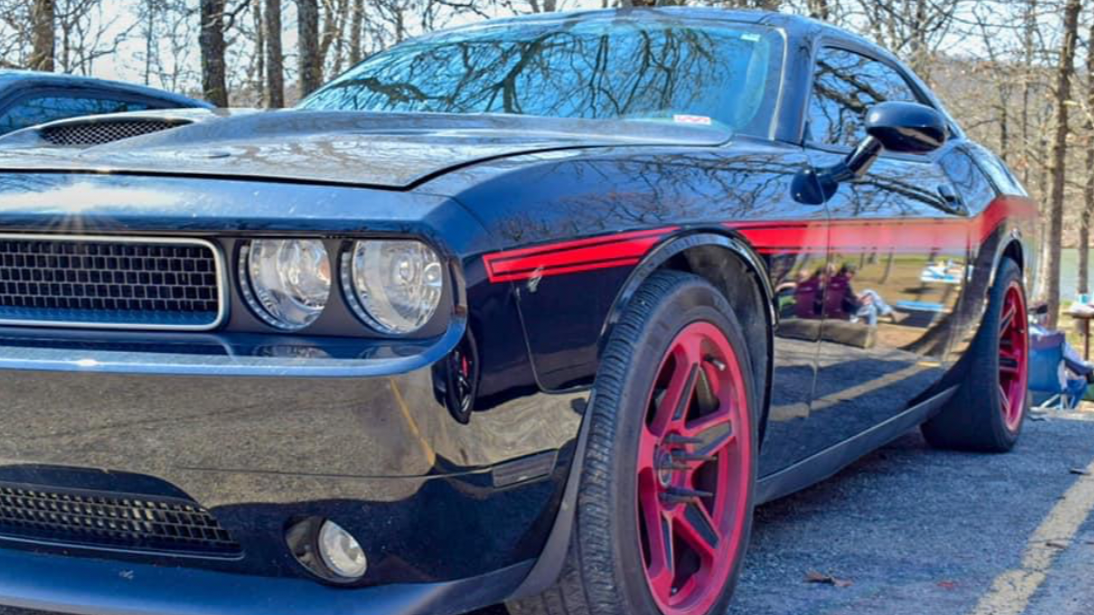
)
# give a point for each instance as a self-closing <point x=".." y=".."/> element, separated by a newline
<point x="386" y="150"/>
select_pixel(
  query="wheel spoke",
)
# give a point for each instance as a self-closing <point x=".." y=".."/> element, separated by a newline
<point x="676" y="398"/>
<point x="661" y="567"/>
<point x="715" y="432"/>
<point x="1007" y="318"/>
<point x="1008" y="365"/>
<point x="697" y="528"/>
<point x="647" y="451"/>
<point x="1005" y="399"/>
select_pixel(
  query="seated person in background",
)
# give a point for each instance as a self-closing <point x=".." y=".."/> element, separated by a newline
<point x="868" y="306"/>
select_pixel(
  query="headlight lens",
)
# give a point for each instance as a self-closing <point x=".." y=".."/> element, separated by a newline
<point x="288" y="280"/>
<point x="393" y="285"/>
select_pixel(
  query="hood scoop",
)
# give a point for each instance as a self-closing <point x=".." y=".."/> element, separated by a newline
<point x="100" y="131"/>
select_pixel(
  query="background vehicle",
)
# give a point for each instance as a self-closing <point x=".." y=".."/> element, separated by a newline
<point x="30" y="98"/>
<point x="525" y="325"/>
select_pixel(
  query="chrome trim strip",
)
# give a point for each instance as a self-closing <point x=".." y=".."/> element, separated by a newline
<point x="218" y="263"/>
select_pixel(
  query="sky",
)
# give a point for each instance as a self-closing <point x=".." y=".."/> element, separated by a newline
<point x="126" y="65"/>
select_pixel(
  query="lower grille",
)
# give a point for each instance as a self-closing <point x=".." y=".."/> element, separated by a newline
<point x="109" y="520"/>
<point x="110" y="282"/>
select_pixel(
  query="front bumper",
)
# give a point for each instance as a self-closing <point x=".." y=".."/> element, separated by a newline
<point x="261" y="438"/>
<point x="70" y="585"/>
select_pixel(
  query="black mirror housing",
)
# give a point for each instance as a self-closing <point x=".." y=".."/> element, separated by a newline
<point x="899" y="127"/>
<point x="906" y="128"/>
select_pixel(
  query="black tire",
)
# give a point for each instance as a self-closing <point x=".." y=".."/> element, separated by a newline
<point x="600" y="576"/>
<point x="973" y="420"/>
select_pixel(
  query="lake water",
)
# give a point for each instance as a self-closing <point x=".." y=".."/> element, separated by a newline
<point x="1069" y="274"/>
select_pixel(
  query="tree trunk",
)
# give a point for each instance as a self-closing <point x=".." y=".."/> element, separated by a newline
<point x="1088" y="188"/>
<point x="214" y="79"/>
<point x="275" y="62"/>
<point x="818" y="9"/>
<point x="259" y="78"/>
<point x="149" y="39"/>
<point x="1064" y="73"/>
<point x="1028" y="38"/>
<point x="311" y="68"/>
<point x="355" y="31"/>
<point x="42" y="16"/>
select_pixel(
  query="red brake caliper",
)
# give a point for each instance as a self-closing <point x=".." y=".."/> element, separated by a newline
<point x="694" y="471"/>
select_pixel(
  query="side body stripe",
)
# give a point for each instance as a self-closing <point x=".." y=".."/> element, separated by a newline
<point x="766" y="237"/>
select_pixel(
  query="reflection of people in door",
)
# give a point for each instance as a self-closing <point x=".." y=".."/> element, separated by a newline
<point x="867" y="306"/>
<point x="807" y="295"/>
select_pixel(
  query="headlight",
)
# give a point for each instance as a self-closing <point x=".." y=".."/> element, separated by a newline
<point x="393" y="285"/>
<point x="286" y="281"/>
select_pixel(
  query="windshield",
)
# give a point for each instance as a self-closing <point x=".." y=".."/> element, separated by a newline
<point x="707" y="74"/>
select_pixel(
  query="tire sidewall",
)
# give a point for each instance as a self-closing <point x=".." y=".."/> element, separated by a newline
<point x="1009" y="274"/>
<point x="689" y="301"/>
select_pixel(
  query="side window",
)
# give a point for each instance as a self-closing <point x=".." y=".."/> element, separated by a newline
<point x="997" y="170"/>
<point x="971" y="183"/>
<point x="41" y="109"/>
<point x="845" y="86"/>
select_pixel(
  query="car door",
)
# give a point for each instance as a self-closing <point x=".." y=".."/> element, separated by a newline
<point x="898" y="249"/>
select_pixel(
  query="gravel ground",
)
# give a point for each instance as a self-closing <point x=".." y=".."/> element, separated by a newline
<point x="910" y="530"/>
<point x="915" y="530"/>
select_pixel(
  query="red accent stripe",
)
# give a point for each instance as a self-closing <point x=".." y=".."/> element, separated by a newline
<point x="618" y="250"/>
<point x="766" y="237"/>
<point x="884" y="234"/>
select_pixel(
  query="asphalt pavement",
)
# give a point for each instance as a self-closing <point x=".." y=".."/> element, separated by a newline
<point x="911" y="530"/>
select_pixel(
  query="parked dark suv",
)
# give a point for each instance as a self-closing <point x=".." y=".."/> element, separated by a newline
<point x="29" y="98"/>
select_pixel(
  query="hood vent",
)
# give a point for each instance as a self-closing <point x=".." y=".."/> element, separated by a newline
<point x="99" y="132"/>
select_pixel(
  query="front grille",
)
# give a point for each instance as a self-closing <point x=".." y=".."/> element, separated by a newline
<point x="107" y="282"/>
<point x="103" y="131"/>
<point x="100" y="519"/>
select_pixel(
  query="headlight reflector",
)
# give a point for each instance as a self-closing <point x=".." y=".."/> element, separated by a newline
<point x="393" y="285"/>
<point x="287" y="280"/>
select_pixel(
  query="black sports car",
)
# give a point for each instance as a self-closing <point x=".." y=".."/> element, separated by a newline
<point x="532" y="311"/>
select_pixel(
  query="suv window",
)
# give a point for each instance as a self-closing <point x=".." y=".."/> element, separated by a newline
<point x="41" y="109"/>
<point x="845" y="86"/>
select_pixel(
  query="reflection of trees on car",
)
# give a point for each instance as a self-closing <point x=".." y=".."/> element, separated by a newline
<point x="593" y="72"/>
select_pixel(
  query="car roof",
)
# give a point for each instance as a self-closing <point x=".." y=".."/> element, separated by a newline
<point x="787" y="21"/>
<point x="21" y="78"/>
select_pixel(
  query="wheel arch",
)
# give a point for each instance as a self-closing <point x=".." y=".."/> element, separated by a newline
<point x="1013" y="247"/>
<point x="731" y="265"/>
<point x="694" y="251"/>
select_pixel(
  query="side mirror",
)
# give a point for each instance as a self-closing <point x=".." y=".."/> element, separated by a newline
<point x="907" y="128"/>
<point x="901" y="127"/>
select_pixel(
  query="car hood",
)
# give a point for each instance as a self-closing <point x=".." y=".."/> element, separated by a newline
<point x="388" y="150"/>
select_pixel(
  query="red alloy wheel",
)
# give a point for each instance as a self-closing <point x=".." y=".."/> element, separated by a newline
<point x="694" y="471"/>
<point x="1013" y="356"/>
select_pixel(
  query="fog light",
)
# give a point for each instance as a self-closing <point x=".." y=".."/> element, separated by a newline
<point x="341" y="552"/>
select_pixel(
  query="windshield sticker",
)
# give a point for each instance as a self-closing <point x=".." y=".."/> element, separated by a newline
<point x="700" y="120"/>
<point x="751" y="37"/>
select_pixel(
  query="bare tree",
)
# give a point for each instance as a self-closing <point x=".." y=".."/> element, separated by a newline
<point x="1064" y="73"/>
<point x="310" y="60"/>
<point x="356" y="24"/>
<point x="1088" y="186"/>
<point x="42" y="18"/>
<point x="259" y="75"/>
<point x="214" y="79"/>
<point x="275" y="60"/>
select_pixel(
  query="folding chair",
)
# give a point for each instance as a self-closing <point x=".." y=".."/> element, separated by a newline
<point x="1045" y="363"/>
